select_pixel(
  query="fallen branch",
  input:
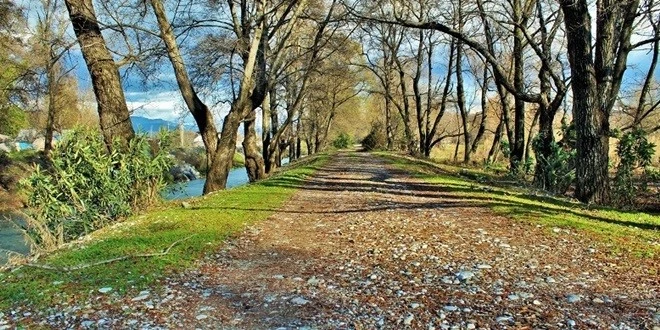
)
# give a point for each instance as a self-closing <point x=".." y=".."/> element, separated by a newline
<point x="104" y="262"/>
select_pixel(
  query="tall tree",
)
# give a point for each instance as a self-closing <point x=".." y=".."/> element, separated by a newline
<point x="597" y="76"/>
<point x="113" y="112"/>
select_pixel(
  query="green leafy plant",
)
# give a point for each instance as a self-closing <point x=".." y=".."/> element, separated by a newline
<point x="558" y="167"/>
<point x="635" y="153"/>
<point x="85" y="187"/>
<point x="342" y="141"/>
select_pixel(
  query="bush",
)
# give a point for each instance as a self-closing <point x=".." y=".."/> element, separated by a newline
<point x="635" y="152"/>
<point x="86" y="188"/>
<point x="558" y="167"/>
<point x="376" y="139"/>
<point x="343" y="141"/>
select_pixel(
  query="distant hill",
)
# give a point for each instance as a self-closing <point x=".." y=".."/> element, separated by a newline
<point x="148" y="125"/>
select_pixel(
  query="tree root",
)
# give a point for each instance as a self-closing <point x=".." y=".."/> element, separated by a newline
<point x="105" y="262"/>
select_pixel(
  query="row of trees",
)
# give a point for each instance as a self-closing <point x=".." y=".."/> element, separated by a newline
<point x="296" y="66"/>
<point x="524" y="56"/>
<point x="247" y="57"/>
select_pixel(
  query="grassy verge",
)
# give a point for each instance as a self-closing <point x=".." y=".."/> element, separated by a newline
<point x="206" y="223"/>
<point x="624" y="231"/>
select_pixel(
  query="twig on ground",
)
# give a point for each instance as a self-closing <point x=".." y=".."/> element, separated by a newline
<point x="104" y="262"/>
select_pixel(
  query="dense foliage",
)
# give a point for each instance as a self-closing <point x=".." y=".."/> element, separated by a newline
<point x="635" y="154"/>
<point x="376" y="139"/>
<point x="86" y="188"/>
<point x="342" y="141"/>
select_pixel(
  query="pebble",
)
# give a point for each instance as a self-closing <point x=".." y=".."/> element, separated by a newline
<point x="536" y="302"/>
<point x="571" y="323"/>
<point x="299" y="301"/>
<point x="105" y="289"/>
<point x="450" y="308"/>
<point x="549" y="280"/>
<point x="513" y="297"/>
<point x="572" y="298"/>
<point x="503" y="319"/>
<point x="278" y="277"/>
<point x="201" y="317"/>
<point x="408" y="320"/>
<point x="471" y="326"/>
<point x="87" y="324"/>
<point x="313" y="281"/>
<point x="598" y="301"/>
<point x="484" y="266"/>
<point x="464" y="275"/>
<point x="414" y="305"/>
<point x="142" y="296"/>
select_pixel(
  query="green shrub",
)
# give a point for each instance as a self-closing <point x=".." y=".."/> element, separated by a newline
<point x="558" y="168"/>
<point x="342" y="141"/>
<point x="635" y="152"/>
<point x="376" y="139"/>
<point x="86" y="188"/>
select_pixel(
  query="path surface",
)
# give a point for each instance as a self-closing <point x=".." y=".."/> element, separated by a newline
<point x="364" y="246"/>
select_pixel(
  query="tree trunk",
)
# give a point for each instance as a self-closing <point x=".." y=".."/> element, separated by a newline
<point x="200" y="112"/>
<point x="484" y="112"/>
<point x="592" y="126"/>
<point x="52" y="104"/>
<point x="544" y="149"/>
<point x="254" y="162"/>
<point x="492" y="153"/>
<point x="460" y="101"/>
<point x="518" y="145"/>
<point x="113" y="112"/>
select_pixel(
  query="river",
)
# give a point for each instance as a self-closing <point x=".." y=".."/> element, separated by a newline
<point x="11" y="236"/>
<point x="12" y="239"/>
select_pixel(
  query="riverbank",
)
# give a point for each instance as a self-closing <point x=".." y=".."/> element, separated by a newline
<point x="198" y="228"/>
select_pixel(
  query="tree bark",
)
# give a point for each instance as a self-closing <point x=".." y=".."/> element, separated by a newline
<point x="254" y="162"/>
<point x="113" y="112"/>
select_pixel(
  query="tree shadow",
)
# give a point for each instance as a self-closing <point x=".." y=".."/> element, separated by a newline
<point x="368" y="176"/>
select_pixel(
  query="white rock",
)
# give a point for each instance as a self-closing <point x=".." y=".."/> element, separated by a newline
<point x="450" y="308"/>
<point x="299" y="301"/>
<point x="313" y="281"/>
<point x="201" y="317"/>
<point x="572" y="298"/>
<point x="105" y="289"/>
<point x="408" y="320"/>
<point x="142" y="296"/>
<point x="502" y="319"/>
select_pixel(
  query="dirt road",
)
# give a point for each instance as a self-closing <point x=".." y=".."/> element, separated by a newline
<point x="364" y="246"/>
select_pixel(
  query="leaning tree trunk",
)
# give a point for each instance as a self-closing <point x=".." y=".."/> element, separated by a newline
<point x="200" y="112"/>
<point x="113" y="112"/>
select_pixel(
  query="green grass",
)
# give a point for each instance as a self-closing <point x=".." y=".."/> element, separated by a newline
<point x="207" y="223"/>
<point x="637" y="233"/>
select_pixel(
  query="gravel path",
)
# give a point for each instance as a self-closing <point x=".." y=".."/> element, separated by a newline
<point x="364" y="246"/>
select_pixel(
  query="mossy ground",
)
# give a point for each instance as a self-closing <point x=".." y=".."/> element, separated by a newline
<point x="206" y="224"/>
